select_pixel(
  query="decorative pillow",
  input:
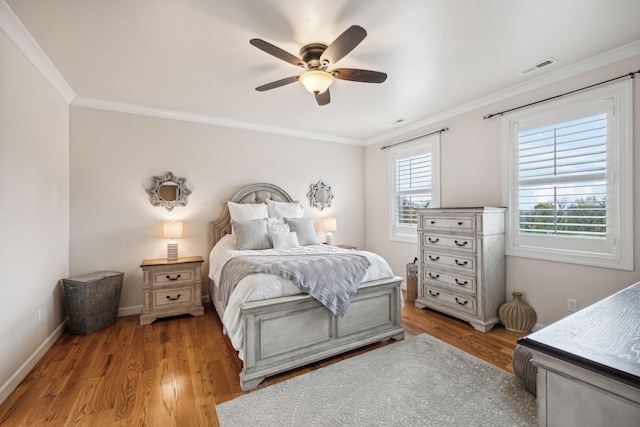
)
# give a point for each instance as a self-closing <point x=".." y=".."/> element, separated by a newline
<point x="282" y="210"/>
<point x="284" y="239"/>
<point x="251" y="234"/>
<point x="247" y="211"/>
<point x="303" y="227"/>
<point x="275" y="224"/>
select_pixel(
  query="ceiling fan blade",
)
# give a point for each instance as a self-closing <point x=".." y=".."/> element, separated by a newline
<point x="277" y="83"/>
<point x="277" y="52"/>
<point x="365" y="76"/>
<point x="344" y="44"/>
<point x="323" y="98"/>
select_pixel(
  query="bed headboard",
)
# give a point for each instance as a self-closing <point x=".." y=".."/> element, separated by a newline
<point x="254" y="193"/>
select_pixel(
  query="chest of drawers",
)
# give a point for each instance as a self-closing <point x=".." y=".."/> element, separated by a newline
<point x="462" y="263"/>
<point x="171" y="288"/>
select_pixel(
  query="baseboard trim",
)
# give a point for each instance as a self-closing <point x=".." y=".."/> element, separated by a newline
<point x="129" y="311"/>
<point x="12" y="383"/>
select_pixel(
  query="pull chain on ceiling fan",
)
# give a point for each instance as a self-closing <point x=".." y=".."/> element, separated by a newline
<point x="316" y="58"/>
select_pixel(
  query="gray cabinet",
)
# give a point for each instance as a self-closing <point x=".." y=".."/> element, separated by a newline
<point x="462" y="263"/>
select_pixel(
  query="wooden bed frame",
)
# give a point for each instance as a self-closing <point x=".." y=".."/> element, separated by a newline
<point x="288" y="332"/>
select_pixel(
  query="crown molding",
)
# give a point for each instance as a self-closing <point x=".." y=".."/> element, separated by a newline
<point x="11" y="25"/>
<point x="120" y="107"/>
<point x="604" y="59"/>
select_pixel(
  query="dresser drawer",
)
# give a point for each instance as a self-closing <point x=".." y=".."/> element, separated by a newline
<point x="463" y="303"/>
<point x="172" y="277"/>
<point x="449" y="280"/>
<point x="464" y="224"/>
<point x="461" y="262"/>
<point x="461" y="243"/>
<point x="175" y="296"/>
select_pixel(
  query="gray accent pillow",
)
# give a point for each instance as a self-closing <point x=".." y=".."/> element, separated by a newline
<point x="303" y="227"/>
<point x="251" y="234"/>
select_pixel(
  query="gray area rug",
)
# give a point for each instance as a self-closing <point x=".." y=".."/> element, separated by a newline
<point x="419" y="381"/>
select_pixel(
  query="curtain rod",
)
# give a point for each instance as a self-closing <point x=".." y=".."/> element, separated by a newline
<point x="631" y="75"/>
<point x="413" y="139"/>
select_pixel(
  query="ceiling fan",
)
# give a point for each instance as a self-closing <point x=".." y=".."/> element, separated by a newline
<point x="316" y="58"/>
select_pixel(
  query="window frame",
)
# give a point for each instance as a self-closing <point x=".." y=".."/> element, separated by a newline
<point x="618" y="253"/>
<point x="427" y="144"/>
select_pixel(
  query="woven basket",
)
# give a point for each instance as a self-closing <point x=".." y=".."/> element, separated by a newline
<point x="92" y="300"/>
<point x="412" y="282"/>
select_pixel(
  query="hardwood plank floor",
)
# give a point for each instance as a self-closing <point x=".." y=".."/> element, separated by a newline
<point x="174" y="371"/>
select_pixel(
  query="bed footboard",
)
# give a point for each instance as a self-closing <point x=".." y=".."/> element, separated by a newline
<point x="289" y="332"/>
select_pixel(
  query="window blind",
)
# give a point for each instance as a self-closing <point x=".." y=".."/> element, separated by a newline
<point x="413" y="187"/>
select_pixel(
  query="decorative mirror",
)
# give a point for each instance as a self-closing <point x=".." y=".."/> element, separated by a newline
<point x="320" y="195"/>
<point x="169" y="191"/>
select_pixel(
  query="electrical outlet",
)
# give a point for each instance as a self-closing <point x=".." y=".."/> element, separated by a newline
<point x="572" y="305"/>
<point x="40" y="317"/>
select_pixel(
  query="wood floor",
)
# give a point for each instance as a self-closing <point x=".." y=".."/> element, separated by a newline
<point x="174" y="371"/>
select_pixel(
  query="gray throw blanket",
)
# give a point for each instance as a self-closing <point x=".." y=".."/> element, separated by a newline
<point x="332" y="279"/>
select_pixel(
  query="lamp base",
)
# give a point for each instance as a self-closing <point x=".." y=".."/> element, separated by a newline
<point x="172" y="251"/>
<point x="330" y="239"/>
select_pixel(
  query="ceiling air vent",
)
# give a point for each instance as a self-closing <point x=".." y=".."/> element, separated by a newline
<point x="536" y="67"/>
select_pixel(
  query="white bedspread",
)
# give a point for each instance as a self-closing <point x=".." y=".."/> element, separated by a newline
<point x="258" y="287"/>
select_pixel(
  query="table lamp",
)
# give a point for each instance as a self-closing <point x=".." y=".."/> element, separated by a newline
<point x="172" y="230"/>
<point x="330" y="226"/>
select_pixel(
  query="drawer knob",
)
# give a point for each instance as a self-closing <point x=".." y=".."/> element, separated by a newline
<point x="433" y="294"/>
<point x="436" y="240"/>
<point x="461" y="263"/>
<point x="461" y="283"/>
<point x="433" y="222"/>
<point x="461" y="303"/>
<point x="461" y="244"/>
<point x="173" y="278"/>
<point x="173" y="299"/>
<point x="460" y="223"/>
<point x="434" y="258"/>
<point x="433" y="276"/>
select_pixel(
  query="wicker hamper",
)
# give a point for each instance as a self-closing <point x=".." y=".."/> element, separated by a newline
<point x="412" y="282"/>
<point x="92" y="300"/>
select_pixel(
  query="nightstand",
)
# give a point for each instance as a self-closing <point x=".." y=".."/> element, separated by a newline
<point x="171" y="288"/>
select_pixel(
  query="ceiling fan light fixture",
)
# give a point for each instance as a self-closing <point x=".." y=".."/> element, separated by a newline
<point x="316" y="81"/>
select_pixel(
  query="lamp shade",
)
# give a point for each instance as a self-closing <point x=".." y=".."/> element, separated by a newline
<point x="172" y="230"/>
<point x="330" y="224"/>
<point x="316" y="81"/>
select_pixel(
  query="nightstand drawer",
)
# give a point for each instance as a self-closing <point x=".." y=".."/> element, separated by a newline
<point x="175" y="296"/>
<point x="172" y="277"/>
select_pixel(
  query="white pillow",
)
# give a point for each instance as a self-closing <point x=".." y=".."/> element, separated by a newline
<point x="282" y="210"/>
<point x="246" y="212"/>
<point x="284" y="239"/>
<point x="251" y="234"/>
<point x="303" y="227"/>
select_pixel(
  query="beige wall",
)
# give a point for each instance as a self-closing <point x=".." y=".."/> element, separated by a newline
<point x="34" y="213"/>
<point x="471" y="175"/>
<point x="114" y="155"/>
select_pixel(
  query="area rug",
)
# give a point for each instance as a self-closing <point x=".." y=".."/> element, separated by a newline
<point x="419" y="381"/>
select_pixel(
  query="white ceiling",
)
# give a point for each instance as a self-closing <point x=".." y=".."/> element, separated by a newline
<point x="193" y="56"/>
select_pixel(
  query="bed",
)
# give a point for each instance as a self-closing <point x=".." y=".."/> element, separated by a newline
<point x="276" y="328"/>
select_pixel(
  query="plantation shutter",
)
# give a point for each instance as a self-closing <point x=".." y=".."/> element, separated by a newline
<point x="413" y="186"/>
<point x="562" y="178"/>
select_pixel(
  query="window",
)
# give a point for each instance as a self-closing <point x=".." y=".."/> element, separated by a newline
<point x="414" y="184"/>
<point x="570" y="179"/>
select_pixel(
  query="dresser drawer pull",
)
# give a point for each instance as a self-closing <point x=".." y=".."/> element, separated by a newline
<point x="433" y="241"/>
<point x="433" y="222"/>
<point x="433" y="276"/>
<point x="173" y="278"/>
<point x="461" y="244"/>
<point x="434" y="258"/>
<point x="433" y="294"/>
<point x="173" y="299"/>
<point x="461" y="283"/>
<point x="461" y="263"/>
<point x="460" y="222"/>
<point x="465" y="302"/>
